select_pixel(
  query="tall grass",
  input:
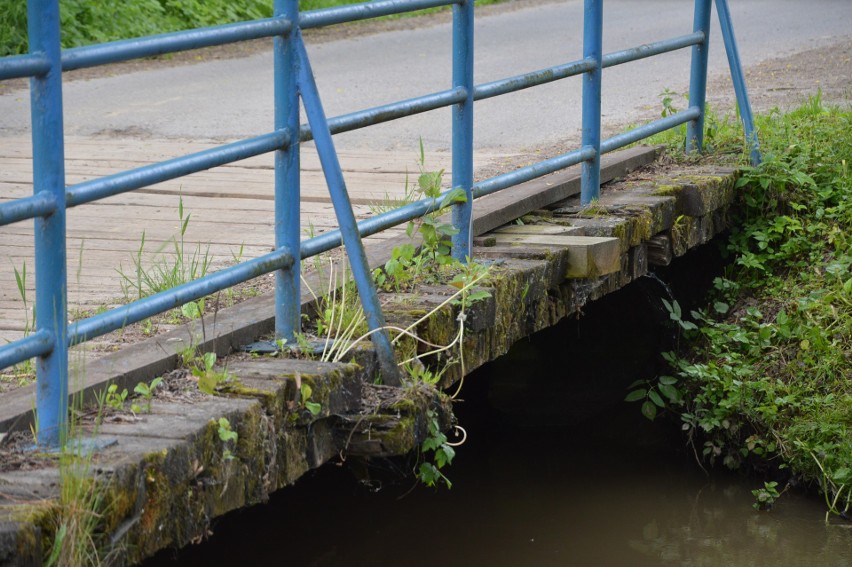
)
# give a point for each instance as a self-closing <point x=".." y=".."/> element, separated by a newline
<point x="85" y="22"/>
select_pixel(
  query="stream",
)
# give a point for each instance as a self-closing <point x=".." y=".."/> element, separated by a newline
<point x="557" y="470"/>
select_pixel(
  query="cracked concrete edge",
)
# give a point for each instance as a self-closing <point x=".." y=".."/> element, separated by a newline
<point x="235" y="326"/>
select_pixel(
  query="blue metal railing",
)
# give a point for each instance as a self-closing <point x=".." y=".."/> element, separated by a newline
<point x="294" y="81"/>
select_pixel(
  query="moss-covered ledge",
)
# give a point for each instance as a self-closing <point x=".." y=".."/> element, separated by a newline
<point x="165" y="476"/>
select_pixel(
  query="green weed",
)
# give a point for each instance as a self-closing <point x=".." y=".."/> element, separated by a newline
<point x="442" y="452"/>
<point x="211" y="380"/>
<point x="167" y="270"/>
<point x="723" y="135"/>
<point x="76" y="528"/>
<point x="228" y="437"/>
<point x="146" y="391"/>
<point x="305" y="393"/>
<point x="409" y="264"/>
<point x="765" y="497"/>
<point x="24" y="372"/>
<point x="112" y="397"/>
<point x="765" y="380"/>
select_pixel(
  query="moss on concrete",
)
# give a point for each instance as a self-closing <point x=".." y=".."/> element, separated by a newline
<point x="158" y="499"/>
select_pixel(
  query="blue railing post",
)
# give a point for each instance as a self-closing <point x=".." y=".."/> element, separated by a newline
<point x="738" y="78"/>
<point x="287" y="190"/>
<point x="590" y="182"/>
<point x="698" y="76"/>
<point x="463" y="127"/>
<point x="49" y="176"/>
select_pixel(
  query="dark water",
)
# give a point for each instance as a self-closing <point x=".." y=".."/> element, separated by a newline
<point x="557" y="470"/>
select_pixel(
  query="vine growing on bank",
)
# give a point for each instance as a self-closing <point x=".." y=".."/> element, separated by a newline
<point x="765" y="380"/>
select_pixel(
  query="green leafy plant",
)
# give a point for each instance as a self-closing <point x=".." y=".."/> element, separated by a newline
<point x="168" y="270"/>
<point x="229" y="438"/>
<point x="113" y="398"/>
<point x="420" y="373"/>
<point x="211" y="380"/>
<point x="409" y="264"/>
<point x="765" y="377"/>
<point x="146" y="391"/>
<point x="436" y="235"/>
<point x="676" y="315"/>
<point x="305" y="393"/>
<point x="655" y="395"/>
<point x="430" y="471"/>
<point x="765" y="497"/>
<point x="723" y="135"/>
<point x="148" y="327"/>
<point x="667" y="98"/>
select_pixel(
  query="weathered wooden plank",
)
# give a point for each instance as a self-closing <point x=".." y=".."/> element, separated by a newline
<point x="505" y="206"/>
<point x="610" y="226"/>
<point x="544" y="229"/>
<point x="589" y="256"/>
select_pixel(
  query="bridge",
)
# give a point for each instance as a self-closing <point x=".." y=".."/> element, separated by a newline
<point x="180" y="464"/>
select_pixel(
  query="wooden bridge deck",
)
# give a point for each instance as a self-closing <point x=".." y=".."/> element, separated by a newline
<point x="230" y="206"/>
<point x="167" y="469"/>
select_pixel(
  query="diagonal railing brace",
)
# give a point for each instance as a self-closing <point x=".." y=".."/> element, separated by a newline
<point x="345" y="215"/>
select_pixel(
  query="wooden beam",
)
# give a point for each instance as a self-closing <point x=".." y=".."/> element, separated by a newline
<point x="588" y="256"/>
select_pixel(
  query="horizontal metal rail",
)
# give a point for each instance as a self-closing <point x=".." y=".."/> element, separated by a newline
<point x="646" y="130"/>
<point x="129" y="180"/>
<point x="157" y="303"/>
<point x="531" y="172"/>
<point x="178" y="167"/>
<point x="532" y="79"/>
<point x="149" y="46"/>
<point x="387" y="112"/>
<point x="366" y="10"/>
<point x="37" y="344"/>
<point x="38" y="205"/>
<point x="51" y="198"/>
<point x="20" y="66"/>
<point x="651" y="49"/>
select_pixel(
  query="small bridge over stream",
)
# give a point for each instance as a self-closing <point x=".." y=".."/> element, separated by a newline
<point x="167" y="471"/>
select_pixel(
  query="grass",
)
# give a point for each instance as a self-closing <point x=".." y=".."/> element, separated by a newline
<point x="79" y="511"/>
<point x="84" y="22"/>
<point x="723" y="137"/>
<point x="166" y="271"/>
<point x="76" y="528"/>
<point x="22" y="373"/>
<point x="765" y="381"/>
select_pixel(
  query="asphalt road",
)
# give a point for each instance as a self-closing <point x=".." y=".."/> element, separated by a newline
<point x="231" y="99"/>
